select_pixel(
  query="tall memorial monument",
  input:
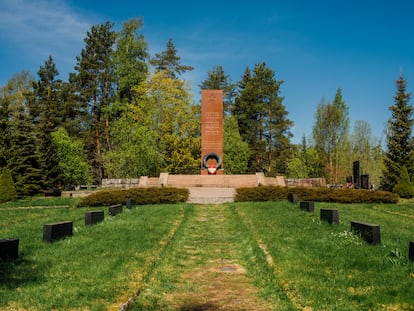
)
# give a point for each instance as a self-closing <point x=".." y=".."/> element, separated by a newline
<point x="212" y="132"/>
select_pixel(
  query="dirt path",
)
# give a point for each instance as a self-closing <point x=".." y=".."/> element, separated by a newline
<point x="205" y="267"/>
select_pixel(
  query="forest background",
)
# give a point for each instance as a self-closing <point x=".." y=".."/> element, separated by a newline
<point x="123" y="113"/>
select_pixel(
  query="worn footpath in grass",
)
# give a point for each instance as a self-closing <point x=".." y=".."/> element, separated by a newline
<point x="98" y="268"/>
<point x="212" y="263"/>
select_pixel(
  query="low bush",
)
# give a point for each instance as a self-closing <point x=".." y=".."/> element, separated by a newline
<point x="272" y="193"/>
<point x="138" y="196"/>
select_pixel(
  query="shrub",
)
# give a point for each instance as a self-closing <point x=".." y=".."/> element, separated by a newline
<point x="7" y="188"/>
<point x="404" y="188"/>
<point x="272" y="193"/>
<point x="140" y="196"/>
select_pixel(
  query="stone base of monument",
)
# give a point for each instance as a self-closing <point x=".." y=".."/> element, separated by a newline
<point x="217" y="172"/>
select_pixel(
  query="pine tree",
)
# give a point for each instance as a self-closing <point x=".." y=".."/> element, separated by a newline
<point x="7" y="188"/>
<point x="169" y="61"/>
<point x="399" y="151"/>
<point x="95" y="86"/>
<point x="263" y="121"/>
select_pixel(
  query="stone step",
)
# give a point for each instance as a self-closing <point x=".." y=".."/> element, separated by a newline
<point x="211" y="195"/>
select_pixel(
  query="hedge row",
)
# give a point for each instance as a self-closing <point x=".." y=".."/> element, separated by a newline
<point x="272" y="193"/>
<point x="139" y="196"/>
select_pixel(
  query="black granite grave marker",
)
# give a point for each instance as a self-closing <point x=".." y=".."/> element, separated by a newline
<point x="308" y="206"/>
<point x="9" y="248"/>
<point x="115" y="209"/>
<point x="57" y="231"/>
<point x="369" y="232"/>
<point x="93" y="217"/>
<point x="293" y="198"/>
<point x="411" y="251"/>
<point x="330" y="215"/>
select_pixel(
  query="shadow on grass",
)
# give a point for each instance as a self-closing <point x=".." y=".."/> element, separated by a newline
<point x="15" y="273"/>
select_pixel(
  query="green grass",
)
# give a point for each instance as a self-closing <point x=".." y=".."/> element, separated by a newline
<point x="98" y="267"/>
<point x="41" y="201"/>
<point x="153" y="250"/>
<point x="328" y="268"/>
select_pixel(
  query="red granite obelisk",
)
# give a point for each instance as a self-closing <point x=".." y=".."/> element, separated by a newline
<point x="212" y="132"/>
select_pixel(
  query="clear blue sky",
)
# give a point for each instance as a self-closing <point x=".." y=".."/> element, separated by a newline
<point x="315" y="47"/>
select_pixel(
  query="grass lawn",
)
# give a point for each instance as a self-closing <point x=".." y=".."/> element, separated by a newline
<point x="100" y="266"/>
<point x="260" y="256"/>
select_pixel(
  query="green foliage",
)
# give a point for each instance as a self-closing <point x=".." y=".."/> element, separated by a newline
<point x="399" y="138"/>
<point x="263" y="121"/>
<point x="367" y="150"/>
<point x="404" y="187"/>
<point x="305" y="163"/>
<point x="271" y="193"/>
<point x="130" y="59"/>
<point x="46" y="107"/>
<point x="23" y="157"/>
<point x="236" y="151"/>
<point x="71" y="159"/>
<point x="330" y="134"/>
<point x="7" y="188"/>
<point x="163" y="106"/>
<point x="134" y="150"/>
<point x="140" y="196"/>
<point x="94" y="81"/>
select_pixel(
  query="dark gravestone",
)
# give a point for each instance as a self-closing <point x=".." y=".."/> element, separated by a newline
<point x="55" y="192"/>
<point x="411" y="251"/>
<point x="356" y="171"/>
<point x="57" y="231"/>
<point x="129" y="203"/>
<point x="293" y="198"/>
<point x="365" y="181"/>
<point x="330" y="215"/>
<point x="369" y="232"/>
<point x="9" y="248"/>
<point x="93" y="217"/>
<point x="308" y="206"/>
<point x="115" y="209"/>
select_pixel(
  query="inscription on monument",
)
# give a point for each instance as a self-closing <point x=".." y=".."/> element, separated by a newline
<point x="212" y="129"/>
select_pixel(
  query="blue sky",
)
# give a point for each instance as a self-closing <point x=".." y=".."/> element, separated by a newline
<point x="315" y="47"/>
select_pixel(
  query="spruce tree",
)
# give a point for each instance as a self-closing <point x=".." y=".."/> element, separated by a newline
<point x="7" y="188"/>
<point x="24" y="158"/>
<point x="46" y="109"/>
<point x="399" y="151"/>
